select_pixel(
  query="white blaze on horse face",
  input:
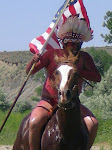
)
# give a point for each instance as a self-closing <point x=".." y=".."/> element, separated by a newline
<point x="64" y="71"/>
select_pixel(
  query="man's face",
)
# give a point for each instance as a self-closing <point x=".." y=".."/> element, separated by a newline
<point x="74" y="47"/>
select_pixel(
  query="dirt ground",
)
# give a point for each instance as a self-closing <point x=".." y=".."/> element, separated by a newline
<point x="103" y="146"/>
<point x="5" y="147"/>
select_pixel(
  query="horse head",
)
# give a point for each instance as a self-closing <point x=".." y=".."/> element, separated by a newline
<point x="66" y="81"/>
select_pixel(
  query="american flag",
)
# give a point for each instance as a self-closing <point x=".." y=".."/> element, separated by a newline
<point x="74" y="7"/>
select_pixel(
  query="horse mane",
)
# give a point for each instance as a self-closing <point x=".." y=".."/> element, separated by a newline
<point x="69" y="58"/>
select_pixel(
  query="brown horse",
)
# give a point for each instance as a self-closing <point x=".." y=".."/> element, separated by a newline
<point x="64" y="130"/>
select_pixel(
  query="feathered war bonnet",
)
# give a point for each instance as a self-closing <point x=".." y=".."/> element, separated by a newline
<point x="74" y="28"/>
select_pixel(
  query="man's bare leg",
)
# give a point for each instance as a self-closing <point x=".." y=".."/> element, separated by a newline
<point x="38" y="119"/>
<point x="91" y="124"/>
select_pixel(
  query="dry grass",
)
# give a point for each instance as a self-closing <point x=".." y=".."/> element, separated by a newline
<point x="15" y="57"/>
<point x="13" y="75"/>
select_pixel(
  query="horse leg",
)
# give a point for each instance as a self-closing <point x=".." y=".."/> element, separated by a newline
<point x="22" y="139"/>
<point x="18" y="143"/>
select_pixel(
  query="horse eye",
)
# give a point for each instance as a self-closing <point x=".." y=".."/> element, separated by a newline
<point x="68" y="76"/>
<point x="59" y="93"/>
<point x="75" y="74"/>
<point x="56" y="72"/>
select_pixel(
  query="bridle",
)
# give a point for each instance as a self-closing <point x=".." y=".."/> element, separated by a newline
<point x="72" y="104"/>
<point x="69" y="105"/>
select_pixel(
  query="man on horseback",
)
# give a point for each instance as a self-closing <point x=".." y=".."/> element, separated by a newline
<point x="72" y="39"/>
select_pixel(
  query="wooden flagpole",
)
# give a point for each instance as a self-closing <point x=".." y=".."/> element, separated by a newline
<point x="41" y="52"/>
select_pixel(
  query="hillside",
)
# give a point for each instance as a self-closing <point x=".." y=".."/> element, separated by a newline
<point x="108" y="49"/>
<point x="12" y="74"/>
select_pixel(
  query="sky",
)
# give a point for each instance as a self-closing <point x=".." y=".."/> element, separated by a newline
<point x="23" y="20"/>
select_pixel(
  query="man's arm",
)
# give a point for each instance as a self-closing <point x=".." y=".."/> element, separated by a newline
<point x="35" y="59"/>
<point x="40" y="62"/>
<point x="89" y="70"/>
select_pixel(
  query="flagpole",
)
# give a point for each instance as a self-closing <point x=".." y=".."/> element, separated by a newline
<point x="41" y="52"/>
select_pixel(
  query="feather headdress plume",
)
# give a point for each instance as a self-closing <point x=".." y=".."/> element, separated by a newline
<point x="74" y="27"/>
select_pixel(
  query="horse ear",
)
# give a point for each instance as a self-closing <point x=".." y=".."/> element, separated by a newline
<point x="73" y="58"/>
<point x="60" y="59"/>
<point x="77" y="58"/>
<point x="70" y="57"/>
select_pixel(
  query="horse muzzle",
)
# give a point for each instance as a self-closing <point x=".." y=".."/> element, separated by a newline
<point x="64" y="97"/>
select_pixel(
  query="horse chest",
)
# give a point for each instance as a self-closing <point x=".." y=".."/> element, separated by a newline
<point x="52" y="131"/>
<point x="56" y="136"/>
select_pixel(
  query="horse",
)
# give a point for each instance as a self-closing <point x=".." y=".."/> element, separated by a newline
<point x="65" y="129"/>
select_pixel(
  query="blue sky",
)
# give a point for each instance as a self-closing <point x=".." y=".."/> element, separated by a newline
<point x="23" y="20"/>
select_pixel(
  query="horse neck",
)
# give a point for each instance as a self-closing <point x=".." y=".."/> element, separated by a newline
<point x="69" y="120"/>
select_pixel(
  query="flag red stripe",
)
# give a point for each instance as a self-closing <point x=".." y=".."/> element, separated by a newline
<point x="64" y="18"/>
<point x="48" y="30"/>
<point x="33" y="48"/>
<point x="41" y="39"/>
<point x="72" y="10"/>
<point x="84" y="13"/>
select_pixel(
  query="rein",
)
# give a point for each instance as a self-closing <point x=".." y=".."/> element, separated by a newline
<point x="86" y="81"/>
<point x="68" y="106"/>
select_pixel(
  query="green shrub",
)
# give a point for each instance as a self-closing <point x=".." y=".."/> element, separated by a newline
<point x="35" y="99"/>
<point x="88" y="91"/>
<point x="40" y="76"/>
<point x="102" y="96"/>
<point x="39" y="90"/>
<point x="101" y="58"/>
<point x="22" y="106"/>
<point x="4" y="105"/>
